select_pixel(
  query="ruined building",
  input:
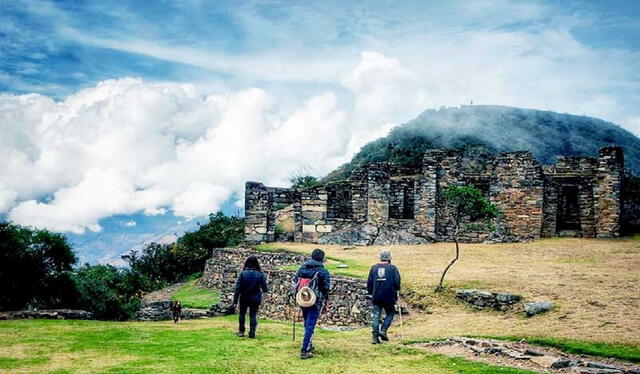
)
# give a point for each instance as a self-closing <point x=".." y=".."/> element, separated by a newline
<point x="578" y="197"/>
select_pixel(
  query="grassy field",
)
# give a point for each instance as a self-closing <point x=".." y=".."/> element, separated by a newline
<point x="593" y="282"/>
<point x="204" y="346"/>
<point x="192" y="296"/>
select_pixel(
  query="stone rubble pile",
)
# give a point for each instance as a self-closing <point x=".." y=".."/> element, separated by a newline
<point x="480" y="299"/>
<point x="537" y="357"/>
<point x="370" y="235"/>
<point x="47" y="314"/>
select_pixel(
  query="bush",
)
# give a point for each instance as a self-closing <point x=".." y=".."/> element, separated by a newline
<point x="106" y="292"/>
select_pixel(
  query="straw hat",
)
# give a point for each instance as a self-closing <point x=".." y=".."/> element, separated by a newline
<point x="305" y="297"/>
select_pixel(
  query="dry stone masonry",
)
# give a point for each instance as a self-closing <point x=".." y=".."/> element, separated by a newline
<point x="385" y="203"/>
<point x="349" y="303"/>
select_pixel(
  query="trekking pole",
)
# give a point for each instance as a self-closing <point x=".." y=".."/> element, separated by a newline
<point x="401" y="326"/>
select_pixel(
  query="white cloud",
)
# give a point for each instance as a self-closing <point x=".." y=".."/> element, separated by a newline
<point x="127" y="145"/>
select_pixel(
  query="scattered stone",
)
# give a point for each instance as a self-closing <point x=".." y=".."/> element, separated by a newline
<point x="532" y="352"/>
<point x="602" y="366"/>
<point x="563" y="363"/>
<point x="537" y="307"/>
<point x="481" y="299"/>
<point x="585" y="370"/>
<point x="511" y="353"/>
<point x="342" y="266"/>
<point x="545" y="361"/>
<point x="349" y="248"/>
<point x="48" y="314"/>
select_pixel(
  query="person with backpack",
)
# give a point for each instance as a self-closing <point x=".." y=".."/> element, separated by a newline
<point x="250" y="285"/>
<point x="311" y="289"/>
<point x="383" y="285"/>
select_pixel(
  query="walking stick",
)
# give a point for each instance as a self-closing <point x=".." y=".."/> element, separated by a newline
<point x="400" y="310"/>
<point x="294" y="326"/>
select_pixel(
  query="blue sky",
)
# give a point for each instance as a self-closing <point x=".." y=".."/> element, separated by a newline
<point x="156" y="112"/>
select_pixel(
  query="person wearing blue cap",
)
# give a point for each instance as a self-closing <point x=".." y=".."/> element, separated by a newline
<point x="383" y="285"/>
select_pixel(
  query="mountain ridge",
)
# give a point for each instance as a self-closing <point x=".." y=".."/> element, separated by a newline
<point x="497" y="128"/>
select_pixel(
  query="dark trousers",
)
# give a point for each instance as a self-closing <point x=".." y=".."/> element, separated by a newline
<point x="310" y="316"/>
<point x="253" y="316"/>
<point x="389" y="310"/>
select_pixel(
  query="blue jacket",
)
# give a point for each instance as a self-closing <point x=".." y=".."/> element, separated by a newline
<point x="308" y="270"/>
<point x="249" y="286"/>
<point x="383" y="283"/>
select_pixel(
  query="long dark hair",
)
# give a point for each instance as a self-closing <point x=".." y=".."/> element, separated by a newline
<point x="252" y="263"/>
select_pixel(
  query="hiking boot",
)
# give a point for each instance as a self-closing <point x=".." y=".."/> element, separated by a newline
<point x="374" y="339"/>
<point x="252" y="336"/>
<point x="305" y="355"/>
<point x="240" y="334"/>
<point x="383" y="336"/>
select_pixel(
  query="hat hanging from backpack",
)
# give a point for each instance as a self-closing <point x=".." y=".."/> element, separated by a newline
<point x="305" y="297"/>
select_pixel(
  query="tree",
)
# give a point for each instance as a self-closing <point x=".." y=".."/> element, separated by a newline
<point x="105" y="291"/>
<point x="35" y="268"/>
<point x="466" y="204"/>
<point x="303" y="181"/>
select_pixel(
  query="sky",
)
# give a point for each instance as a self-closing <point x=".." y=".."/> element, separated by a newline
<point x="123" y="122"/>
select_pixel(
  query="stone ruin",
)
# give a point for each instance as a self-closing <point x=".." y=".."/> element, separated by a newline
<point x="349" y="303"/>
<point x="385" y="203"/>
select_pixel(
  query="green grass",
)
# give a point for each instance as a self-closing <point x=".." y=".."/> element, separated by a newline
<point x="205" y="346"/>
<point x="625" y="352"/>
<point x="192" y="296"/>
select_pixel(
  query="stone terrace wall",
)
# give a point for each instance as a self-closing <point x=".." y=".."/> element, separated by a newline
<point x="608" y="192"/>
<point x="349" y="305"/>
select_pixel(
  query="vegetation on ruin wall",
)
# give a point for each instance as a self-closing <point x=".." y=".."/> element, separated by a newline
<point x="496" y="129"/>
<point x="206" y="346"/>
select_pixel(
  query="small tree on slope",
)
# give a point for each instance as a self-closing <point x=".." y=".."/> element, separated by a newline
<point x="467" y="205"/>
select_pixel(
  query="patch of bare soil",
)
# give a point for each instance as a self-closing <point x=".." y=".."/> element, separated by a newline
<point x="525" y="356"/>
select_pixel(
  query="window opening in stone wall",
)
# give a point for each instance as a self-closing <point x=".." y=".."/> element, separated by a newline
<point x="568" y="209"/>
<point x="401" y="200"/>
<point x="339" y="203"/>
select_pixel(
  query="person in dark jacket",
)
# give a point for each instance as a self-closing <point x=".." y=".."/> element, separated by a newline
<point x="383" y="285"/>
<point x="309" y="270"/>
<point x="250" y="285"/>
<point x="176" y="310"/>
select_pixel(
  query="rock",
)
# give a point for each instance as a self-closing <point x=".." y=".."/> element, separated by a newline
<point x="537" y="307"/>
<point x="586" y="370"/>
<point x="485" y="299"/>
<point x="545" y="361"/>
<point x="602" y="366"/>
<point x="342" y="266"/>
<point x="563" y="363"/>
<point x="511" y="353"/>
<point x="531" y="352"/>
<point x="49" y="314"/>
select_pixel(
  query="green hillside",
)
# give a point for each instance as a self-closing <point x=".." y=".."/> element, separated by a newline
<point x="498" y="129"/>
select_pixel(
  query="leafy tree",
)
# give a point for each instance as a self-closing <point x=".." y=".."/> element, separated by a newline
<point x="106" y="292"/>
<point x="159" y="265"/>
<point x="303" y="181"/>
<point x="466" y="204"/>
<point x="35" y="268"/>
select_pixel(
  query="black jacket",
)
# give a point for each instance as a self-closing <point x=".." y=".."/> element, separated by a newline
<point x="249" y="286"/>
<point x="383" y="283"/>
<point x="308" y="270"/>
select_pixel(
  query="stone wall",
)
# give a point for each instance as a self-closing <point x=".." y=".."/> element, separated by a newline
<point x="608" y="192"/>
<point x="348" y="302"/>
<point x="517" y="190"/>
<point x="577" y="196"/>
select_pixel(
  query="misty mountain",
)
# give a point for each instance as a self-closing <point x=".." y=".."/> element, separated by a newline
<point x="499" y="129"/>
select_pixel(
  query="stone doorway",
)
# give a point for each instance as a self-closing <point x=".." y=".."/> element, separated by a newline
<point x="568" y="219"/>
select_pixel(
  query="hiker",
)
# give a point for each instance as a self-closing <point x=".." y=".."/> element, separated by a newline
<point x="383" y="285"/>
<point x="176" y="310"/>
<point x="311" y="288"/>
<point x="250" y="285"/>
